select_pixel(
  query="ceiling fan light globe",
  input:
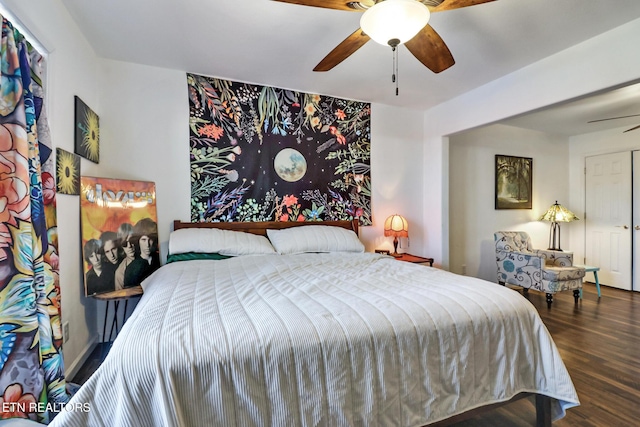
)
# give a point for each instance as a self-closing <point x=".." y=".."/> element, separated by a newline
<point x="394" y="19"/>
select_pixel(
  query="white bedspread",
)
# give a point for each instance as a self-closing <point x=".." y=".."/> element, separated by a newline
<point x="318" y="339"/>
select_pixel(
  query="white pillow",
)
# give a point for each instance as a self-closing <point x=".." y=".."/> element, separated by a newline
<point x="314" y="238"/>
<point x="214" y="240"/>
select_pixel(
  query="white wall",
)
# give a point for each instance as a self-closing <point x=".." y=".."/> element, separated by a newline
<point x="396" y="175"/>
<point x="145" y="134"/>
<point x="593" y="65"/>
<point x="72" y="70"/>
<point x="472" y="215"/>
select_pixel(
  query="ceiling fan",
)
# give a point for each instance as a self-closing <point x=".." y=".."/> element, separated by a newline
<point x="427" y="46"/>
<point x="620" y="117"/>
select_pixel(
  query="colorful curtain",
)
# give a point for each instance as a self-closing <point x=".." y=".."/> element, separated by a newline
<point x="32" y="380"/>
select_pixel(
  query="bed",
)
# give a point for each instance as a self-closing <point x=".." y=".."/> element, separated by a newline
<point x="304" y="329"/>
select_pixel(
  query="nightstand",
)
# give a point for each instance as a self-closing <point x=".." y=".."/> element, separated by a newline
<point x="116" y="297"/>
<point x="415" y="259"/>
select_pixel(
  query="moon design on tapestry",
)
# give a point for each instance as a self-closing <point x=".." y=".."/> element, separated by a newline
<point x="290" y="165"/>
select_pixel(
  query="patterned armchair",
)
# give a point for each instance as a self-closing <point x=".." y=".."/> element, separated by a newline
<point x="543" y="270"/>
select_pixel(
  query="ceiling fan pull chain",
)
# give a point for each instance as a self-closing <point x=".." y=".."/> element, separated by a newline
<point x="394" y="74"/>
<point x="397" y="75"/>
<point x="394" y="49"/>
<point x="393" y="71"/>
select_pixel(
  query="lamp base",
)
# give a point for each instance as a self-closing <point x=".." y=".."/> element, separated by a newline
<point x="395" y="253"/>
<point x="554" y="237"/>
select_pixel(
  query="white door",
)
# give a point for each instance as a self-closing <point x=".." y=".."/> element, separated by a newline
<point x="636" y="220"/>
<point x="608" y="228"/>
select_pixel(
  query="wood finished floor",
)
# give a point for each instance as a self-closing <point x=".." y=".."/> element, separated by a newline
<point x="90" y="365"/>
<point x="599" y="341"/>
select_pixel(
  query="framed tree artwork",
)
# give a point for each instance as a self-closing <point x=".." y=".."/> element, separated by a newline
<point x="514" y="178"/>
<point x="86" y="132"/>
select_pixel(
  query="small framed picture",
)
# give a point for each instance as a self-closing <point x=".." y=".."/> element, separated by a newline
<point x="86" y="132"/>
<point x="67" y="172"/>
<point x="514" y="182"/>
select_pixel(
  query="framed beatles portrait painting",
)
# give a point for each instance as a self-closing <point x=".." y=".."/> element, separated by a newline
<point x="119" y="233"/>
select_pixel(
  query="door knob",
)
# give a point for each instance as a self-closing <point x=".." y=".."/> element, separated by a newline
<point x="626" y="227"/>
<point x="637" y="227"/>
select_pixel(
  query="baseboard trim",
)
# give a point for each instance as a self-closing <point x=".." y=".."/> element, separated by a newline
<point x="72" y="369"/>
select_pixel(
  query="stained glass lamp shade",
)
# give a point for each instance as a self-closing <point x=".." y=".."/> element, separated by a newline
<point x="555" y="214"/>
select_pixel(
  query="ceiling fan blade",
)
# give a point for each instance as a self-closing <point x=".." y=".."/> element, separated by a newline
<point x="333" y="4"/>
<point x="613" y="118"/>
<point x="430" y="49"/>
<point x="634" y="128"/>
<point x="457" y="4"/>
<point x="341" y="52"/>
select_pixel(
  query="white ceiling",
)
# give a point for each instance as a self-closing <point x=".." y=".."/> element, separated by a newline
<point x="278" y="44"/>
<point x="574" y="117"/>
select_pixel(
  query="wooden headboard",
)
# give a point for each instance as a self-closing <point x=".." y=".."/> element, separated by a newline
<point x="261" y="227"/>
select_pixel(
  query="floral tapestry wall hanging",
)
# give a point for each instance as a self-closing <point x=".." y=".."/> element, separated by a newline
<point x="87" y="132"/>
<point x="260" y="153"/>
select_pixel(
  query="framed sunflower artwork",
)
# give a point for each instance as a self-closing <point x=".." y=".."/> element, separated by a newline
<point x="87" y="132"/>
<point x="67" y="172"/>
